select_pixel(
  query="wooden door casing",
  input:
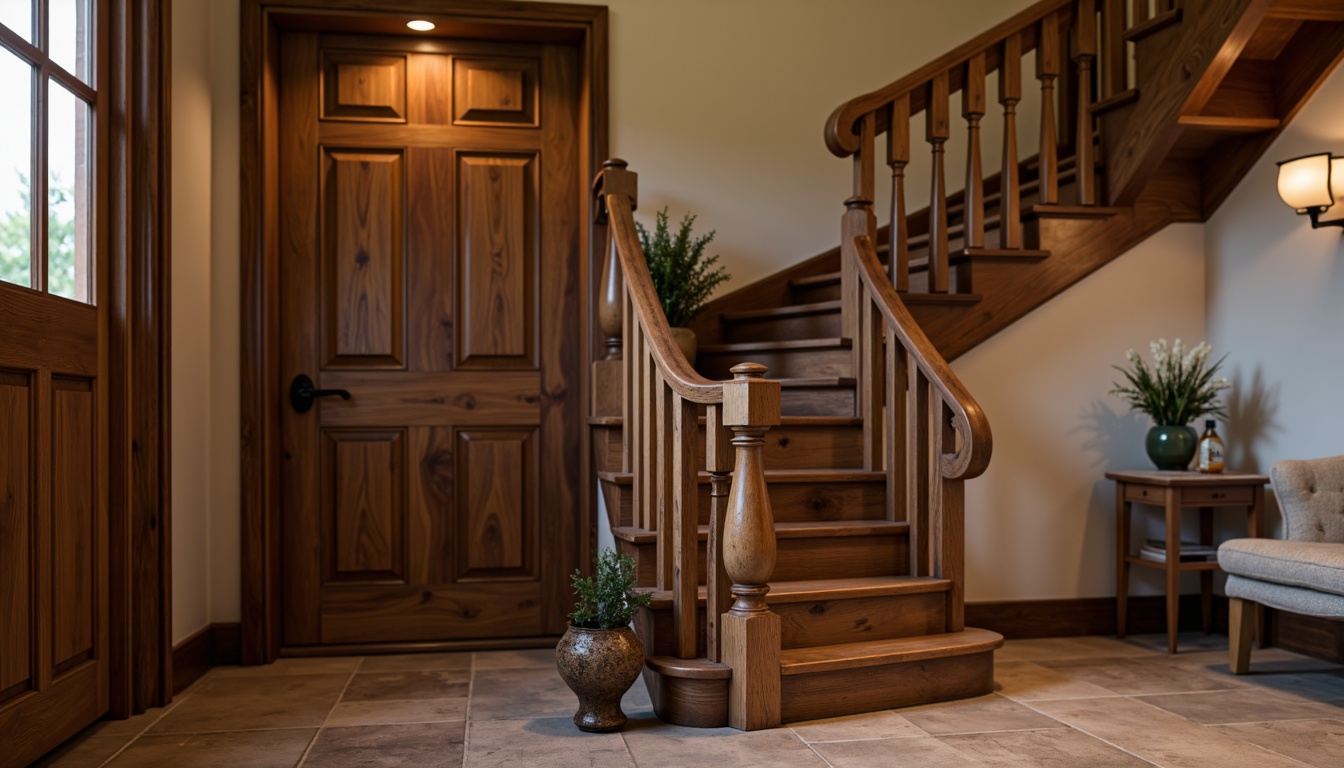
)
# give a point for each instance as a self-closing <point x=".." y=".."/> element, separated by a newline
<point x="431" y="201"/>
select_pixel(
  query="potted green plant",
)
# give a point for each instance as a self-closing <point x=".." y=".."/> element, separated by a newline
<point x="1176" y="389"/>
<point x="600" y="656"/>
<point x="682" y="275"/>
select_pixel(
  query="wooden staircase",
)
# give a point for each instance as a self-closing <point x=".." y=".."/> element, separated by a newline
<point x="802" y="532"/>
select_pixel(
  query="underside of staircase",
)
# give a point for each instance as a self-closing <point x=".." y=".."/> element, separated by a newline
<point x="865" y="621"/>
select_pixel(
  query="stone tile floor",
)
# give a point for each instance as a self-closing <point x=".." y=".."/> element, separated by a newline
<point x="1085" y="701"/>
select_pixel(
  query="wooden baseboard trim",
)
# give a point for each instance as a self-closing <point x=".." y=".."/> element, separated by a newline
<point x="1073" y="617"/>
<point x="214" y="645"/>
<point x="442" y="646"/>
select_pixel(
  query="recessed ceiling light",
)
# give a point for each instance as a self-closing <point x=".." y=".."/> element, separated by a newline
<point x="420" y="25"/>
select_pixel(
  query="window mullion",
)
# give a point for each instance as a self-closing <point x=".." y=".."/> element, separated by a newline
<point x="40" y="202"/>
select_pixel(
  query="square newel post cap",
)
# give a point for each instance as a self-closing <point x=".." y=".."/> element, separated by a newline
<point x="616" y="179"/>
<point x="749" y="399"/>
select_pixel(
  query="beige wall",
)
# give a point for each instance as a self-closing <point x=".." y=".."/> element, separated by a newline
<point x="1276" y="302"/>
<point x="719" y="107"/>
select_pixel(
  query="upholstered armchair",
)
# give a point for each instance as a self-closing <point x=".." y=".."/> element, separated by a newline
<point x="1301" y="573"/>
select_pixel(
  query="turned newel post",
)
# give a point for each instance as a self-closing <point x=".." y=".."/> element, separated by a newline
<point x="612" y="179"/>
<point x="751" y="633"/>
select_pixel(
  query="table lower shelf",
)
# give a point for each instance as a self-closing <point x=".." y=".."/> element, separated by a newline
<point x="1190" y="565"/>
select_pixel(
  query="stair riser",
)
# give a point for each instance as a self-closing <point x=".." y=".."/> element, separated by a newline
<point x="788" y="446"/>
<point x="790" y="502"/>
<point x="820" y="325"/>
<point x="831" y="622"/>
<point x="817" y="401"/>
<point x="867" y="689"/>
<point x="793" y="364"/>
<point x="802" y="559"/>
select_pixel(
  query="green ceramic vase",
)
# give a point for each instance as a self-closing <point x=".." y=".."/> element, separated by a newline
<point x="1171" y="447"/>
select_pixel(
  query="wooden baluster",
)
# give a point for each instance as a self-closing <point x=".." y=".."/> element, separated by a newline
<point x="629" y="414"/>
<point x="668" y="536"/>
<point x="894" y="436"/>
<point x="898" y="155"/>
<point x="634" y="413"/>
<point x="719" y="462"/>
<point x="947" y="517"/>
<point x="936" y="125"/>
<point x="972" y="109"/>
<point x="1084" y="152"/>
<point x="871" y="389"/>
<point x="1047" y="70"/>
<point x="1010" y="193"/>
<point x="751" y="632"/>
<point x="917" y="460"/>
<point x="647" y="477"/>
<point x="1115" y="52"/>
<point x="685" y="523"/>
<point x="615" y="180"/>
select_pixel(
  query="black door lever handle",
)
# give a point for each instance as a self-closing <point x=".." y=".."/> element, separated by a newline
<point x="302" y="392"/>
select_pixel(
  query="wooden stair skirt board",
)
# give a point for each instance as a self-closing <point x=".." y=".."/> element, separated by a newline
<point x="834" y="680"/>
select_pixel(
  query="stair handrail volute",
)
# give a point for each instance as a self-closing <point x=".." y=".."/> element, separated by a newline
<point x="660" y="423"/>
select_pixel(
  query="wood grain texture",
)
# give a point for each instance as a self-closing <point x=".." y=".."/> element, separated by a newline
<point x="850" y="691"/>
<point x="74" y="562"/>
<point x="497" y="531"/>
<point x="363" y="227"/>
<point x="366" y="473"/>
<point x="751" y="647"/>
<point x="497" y="255"/>
<point x="363" y="86"/>
<point x="430" y="319"/>
<point x="495" y="91"/>
<point x="18" y="572"/>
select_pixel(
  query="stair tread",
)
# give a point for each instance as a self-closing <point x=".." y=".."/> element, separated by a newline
<point x="788" y="310"/>
<point x="695" y="669"/>
<point x="785" y="421"/>
<point x="941" y="298"/>
<point x="772" y="346"/>
<point x="1152" y="25"/>
<point x="1229" y="124"/>
<point x="812" y="590"/>
<point x="1115" y="101"/>
<point x="833" y="278"/>
<point x="871" y="653"/>
<point x="807" y="529"/>
<point x="812" y="476"/>
<point x="818" y="381"/>
<point x="1058" y="211"/>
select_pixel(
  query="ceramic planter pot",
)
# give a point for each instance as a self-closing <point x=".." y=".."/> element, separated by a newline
<point x="1171" y="447"/>
<point x="599" y="666"/>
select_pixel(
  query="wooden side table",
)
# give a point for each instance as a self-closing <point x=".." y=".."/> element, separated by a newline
<point x="1174" y="491"/>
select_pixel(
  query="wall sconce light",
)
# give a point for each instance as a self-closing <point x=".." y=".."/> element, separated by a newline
<point x="1314" y="185"/>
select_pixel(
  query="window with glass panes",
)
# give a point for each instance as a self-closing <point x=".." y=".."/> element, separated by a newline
<point x="46" y="170"/>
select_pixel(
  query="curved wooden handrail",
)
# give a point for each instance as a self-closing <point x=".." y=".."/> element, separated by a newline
<point x="681" y="377"/>
<point x="841" y="137"/>
<point x="969" y="420"/>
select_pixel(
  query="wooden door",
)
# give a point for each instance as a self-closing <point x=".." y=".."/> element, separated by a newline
<point x="430" y="202"/>
<point x="54" y="599"/>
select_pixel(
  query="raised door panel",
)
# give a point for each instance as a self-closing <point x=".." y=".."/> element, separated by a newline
<point x="366" y="87"/>
<point x="16" y="536"/>
<point x="363" y="265"/>
<point x="366" y="496"/>
<point x="73" y="527"/>
<point x="496" y="196"/>
<point x="497" y="504"/>
<point x="495" y="92"/>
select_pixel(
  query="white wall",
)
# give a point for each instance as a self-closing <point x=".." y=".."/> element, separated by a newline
<point x="1040" y="523"/>
<point x="1276" y="302"/>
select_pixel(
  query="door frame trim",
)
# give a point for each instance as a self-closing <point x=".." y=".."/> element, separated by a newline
<point x="584" y="26"/>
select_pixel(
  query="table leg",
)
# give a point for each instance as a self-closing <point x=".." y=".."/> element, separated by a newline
<point x="1173" y="569"/>
<point x="1206" y="577"/>
<point x="1122" y="509"/>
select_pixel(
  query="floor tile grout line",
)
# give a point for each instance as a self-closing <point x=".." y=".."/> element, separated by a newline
<point x="307" y="750"/>
<point x="172" y="704"/>
<point x="1105" y="741"/>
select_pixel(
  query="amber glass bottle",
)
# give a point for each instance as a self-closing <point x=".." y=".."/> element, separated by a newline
<point x="1210" y="450"/>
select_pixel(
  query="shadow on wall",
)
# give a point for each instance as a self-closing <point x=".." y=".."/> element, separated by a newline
<point x="1114" y="437"/>
<point x="1251" y="407"/>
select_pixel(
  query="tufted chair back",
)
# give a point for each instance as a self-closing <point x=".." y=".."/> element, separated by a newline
<point x="1311" y="494"/>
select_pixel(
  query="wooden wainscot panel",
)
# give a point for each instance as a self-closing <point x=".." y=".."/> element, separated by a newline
<point x="495" y="92"/>
<point x="363" y="258"/>
<point x="365" y="87"/>
<point x="16" y="536"/>
<point x="72" y="523"/>
<point x="496" y="509"/>
<point x="497" y="252"/>
<point x="365" y="478"/>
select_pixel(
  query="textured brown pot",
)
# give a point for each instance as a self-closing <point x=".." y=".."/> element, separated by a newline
<point x="685" y="338"/>
<point x="599" y="666"/>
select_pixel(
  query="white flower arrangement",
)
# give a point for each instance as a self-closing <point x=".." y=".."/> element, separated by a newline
<point x="1178" y="388"/>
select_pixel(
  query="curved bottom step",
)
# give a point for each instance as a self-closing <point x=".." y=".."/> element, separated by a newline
<point x="831" y="681"/>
